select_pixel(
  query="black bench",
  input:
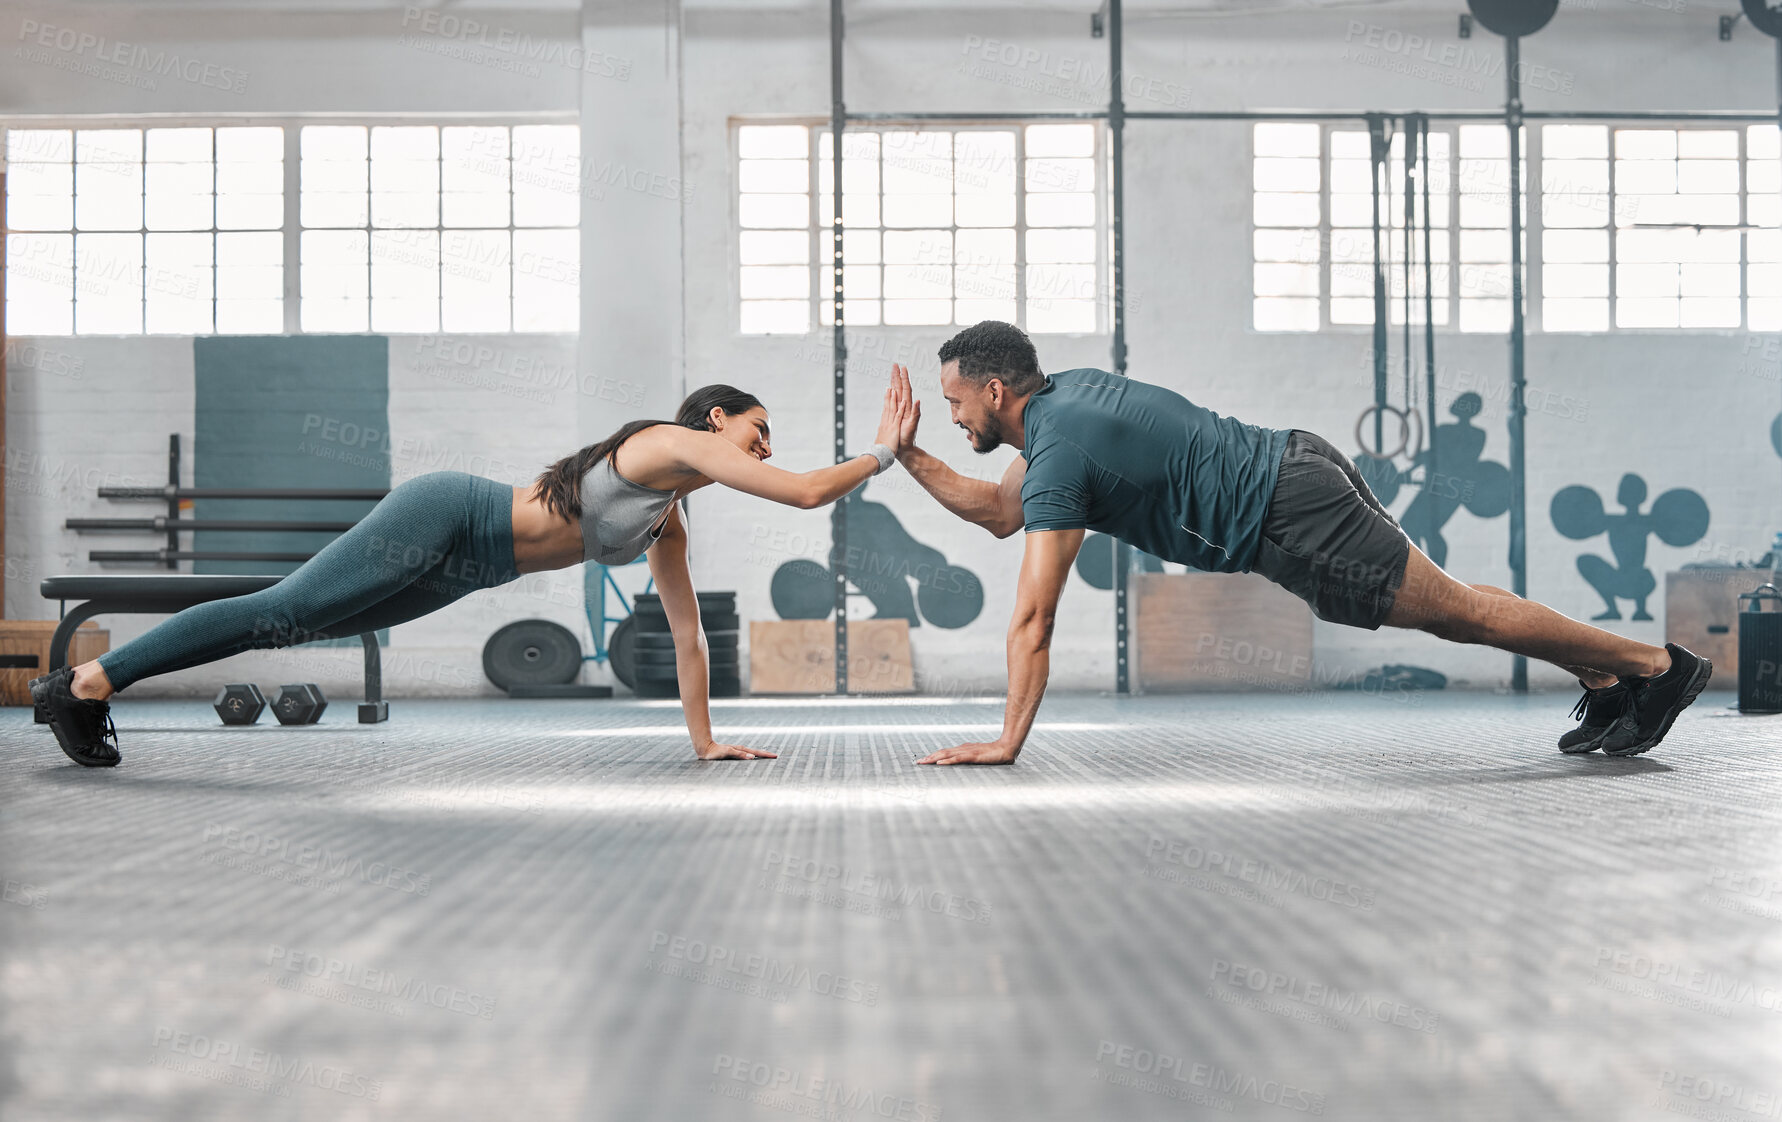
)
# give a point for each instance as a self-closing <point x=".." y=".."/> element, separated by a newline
<point x="166" y="593"/>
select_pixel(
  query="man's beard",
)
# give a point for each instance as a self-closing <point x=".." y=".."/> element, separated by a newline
<point x="991" y="438"/>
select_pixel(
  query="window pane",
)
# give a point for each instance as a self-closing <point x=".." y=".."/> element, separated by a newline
<point x="178" y="282"/>
<point x="250" y="283"/>
<point x="774" y="176"/>
<point x="108" y="179"/>
<point x="1072" y="245"/>
<point x="405" y="280"/>
<point x="775" y="247"/>
<point x="26" y="146"/>
<point x="335" y="280"/>
<point x="773" y="141"/>
<point x="108" y="271"/>
<point x="984" y="266"/>
<point x="1074" y="316"/>
<point x="178" y="196"/>
<point x="776" y="282"/>
<point x="1283" y="140"/>
<point x="1061" y="210"/>
<point x="547" y="176"/>
<point x="39" y="284"/>
<point x="40" y="196"/>
<point x="547" y="280"/>
<point x="1063" y="140"/>
<point x="474" y="288"/>
<point x="758" y="211"/>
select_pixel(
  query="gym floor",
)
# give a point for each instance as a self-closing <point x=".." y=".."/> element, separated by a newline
<point x="1171" y="907"/>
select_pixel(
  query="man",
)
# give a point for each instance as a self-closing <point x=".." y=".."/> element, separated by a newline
<point x="1102" y="452"/>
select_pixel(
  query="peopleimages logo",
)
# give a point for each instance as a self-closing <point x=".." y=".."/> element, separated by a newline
<point x="841" y="878"/>
<point x="1262" y="874"/>
<point x="317" y="859"/>
<point x="170" y="1043"/>
<point x="1348" y="1003"/>
<point x="323" y="968"/>
<point x="131" y="56"/>
<point x="717" y="961"/>
<point x="1175" y="1077"/>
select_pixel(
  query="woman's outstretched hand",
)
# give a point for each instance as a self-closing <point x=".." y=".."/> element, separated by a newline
<point x="712" y="750"/>
<point x="912" y="409"/>
<point x="899" y="414"/>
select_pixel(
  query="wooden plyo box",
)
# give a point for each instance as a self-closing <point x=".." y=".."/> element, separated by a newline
<point x="32" y="637"/>
<point x="797" y="656"/>
<point x="1701" y="612"/>
<point x="1220" y="631"/>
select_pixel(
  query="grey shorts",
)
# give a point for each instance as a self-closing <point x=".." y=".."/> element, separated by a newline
<point x="1327" y="540"/>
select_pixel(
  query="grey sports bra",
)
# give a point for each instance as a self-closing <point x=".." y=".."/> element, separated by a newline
<point x="619" y="518"/>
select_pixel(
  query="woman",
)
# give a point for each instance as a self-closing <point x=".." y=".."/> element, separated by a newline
<point x="439" y="537"/>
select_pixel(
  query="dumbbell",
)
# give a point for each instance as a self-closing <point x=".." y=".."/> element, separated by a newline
<point x="240" y="703"/>
<point x="301" y="704"/>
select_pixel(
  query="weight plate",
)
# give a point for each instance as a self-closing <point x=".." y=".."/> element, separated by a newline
<point x="1525" y="17"/>
<point x="1487" y="492"/>
<point x="621" y="651"/>
<point x="1679" y="517"/>
<point x="712" y="601"/>
<point x="953" y="598"/>
<point x="1577" y="512"/>
<point x="1765" y="15"/>
<point x="717" y="687"/>
<point x="663" y="641"/>
<point x="715" y="659"/>
<point x="532" y="652"/>
<point x="803" y="589"/>
<point x="650" y="620"/>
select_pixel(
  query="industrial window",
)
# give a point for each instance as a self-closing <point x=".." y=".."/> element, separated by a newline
<point x="947" y="226"/>
<point x="122" y="231"/>
<point x="205" y="228"/>
<point x="1313" y="240"/>
<point x="408" y="227"/>
<point x="1635" y="228"/>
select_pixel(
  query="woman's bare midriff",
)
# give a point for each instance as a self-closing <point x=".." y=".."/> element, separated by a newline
<point x="542" y="540"/>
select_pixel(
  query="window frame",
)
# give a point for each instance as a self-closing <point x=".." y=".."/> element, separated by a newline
<point x="291" y="227"/>
<point x="821" y="264"/>
<point x="1534" y="230"/>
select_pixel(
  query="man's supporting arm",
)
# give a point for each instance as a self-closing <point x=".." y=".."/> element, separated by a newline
<point x="1044" y="568"/>
<point x="994" y="506"/>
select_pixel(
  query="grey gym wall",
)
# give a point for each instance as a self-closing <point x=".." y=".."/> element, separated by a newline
<point x="92" y="410"/>
<point x="1189" y="261"/>
<point x="1188" y="275"/>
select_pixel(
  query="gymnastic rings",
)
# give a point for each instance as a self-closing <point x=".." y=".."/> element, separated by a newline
<point x="1410" y="433"/>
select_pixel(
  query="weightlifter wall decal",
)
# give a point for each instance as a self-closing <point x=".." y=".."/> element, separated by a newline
<point x="1678" y="517"/>
<point x="1454" y="475"/>
<point x="883" y="561"/>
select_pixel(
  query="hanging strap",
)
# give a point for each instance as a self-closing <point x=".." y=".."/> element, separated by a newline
<point x="1379" y="149"/>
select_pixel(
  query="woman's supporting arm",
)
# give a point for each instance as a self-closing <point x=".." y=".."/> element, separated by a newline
<point x="674" y="583"/>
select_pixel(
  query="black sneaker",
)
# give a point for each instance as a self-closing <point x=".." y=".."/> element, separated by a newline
<point x="1599" y="709"/>
<point x="81" y="724"/>
<point x="1655" y="702"/>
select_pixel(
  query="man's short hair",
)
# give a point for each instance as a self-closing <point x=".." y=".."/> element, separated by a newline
<point x="994" y="349"/>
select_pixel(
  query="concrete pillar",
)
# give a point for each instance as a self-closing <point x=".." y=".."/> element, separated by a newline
<point x="631" y="354"/>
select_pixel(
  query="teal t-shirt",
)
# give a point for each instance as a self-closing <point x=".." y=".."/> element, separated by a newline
<point x="1148" y="466"/>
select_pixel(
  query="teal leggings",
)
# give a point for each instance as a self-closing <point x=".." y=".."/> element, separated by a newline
<point x="432" y="540"/>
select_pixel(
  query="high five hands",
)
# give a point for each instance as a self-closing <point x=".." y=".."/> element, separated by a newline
<point x="897" y="424"/>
